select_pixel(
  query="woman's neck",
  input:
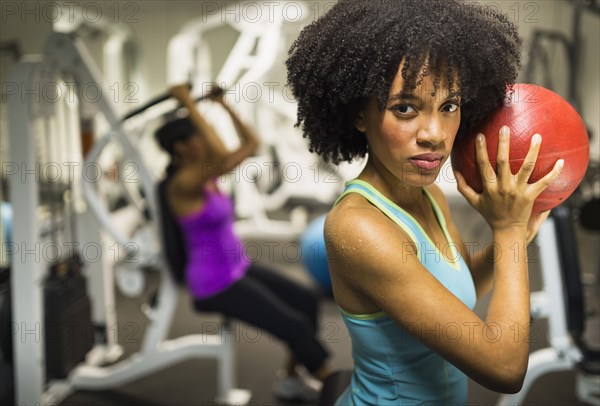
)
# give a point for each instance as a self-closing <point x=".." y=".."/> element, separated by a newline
<point x="409" y="197"/>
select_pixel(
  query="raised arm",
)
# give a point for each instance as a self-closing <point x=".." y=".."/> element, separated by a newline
<point x="249" y="141"/>
<point x="218" y="159"/>
<point x="215" y="147"/>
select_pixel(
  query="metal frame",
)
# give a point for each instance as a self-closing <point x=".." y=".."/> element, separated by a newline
<point x="26" y="275"/>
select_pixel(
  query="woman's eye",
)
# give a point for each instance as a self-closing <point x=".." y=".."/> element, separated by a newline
<point x="403" y="109"/>
<point x="450" y="107"/>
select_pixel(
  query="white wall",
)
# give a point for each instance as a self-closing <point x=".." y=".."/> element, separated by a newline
<point x="590" y="79"/>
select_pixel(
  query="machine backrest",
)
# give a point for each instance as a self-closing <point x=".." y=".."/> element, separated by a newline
<point x="569" y="258"/>
<point x="171" y="237"/>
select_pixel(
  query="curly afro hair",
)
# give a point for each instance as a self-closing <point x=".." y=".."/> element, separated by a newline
<point x="355" y="50"/>
<point x="172" y="132"/>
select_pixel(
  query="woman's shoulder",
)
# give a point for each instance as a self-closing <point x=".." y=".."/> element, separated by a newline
<point x="187" y="181"/>
<point x="350" y="211"/>
<point x="355" y="224"/>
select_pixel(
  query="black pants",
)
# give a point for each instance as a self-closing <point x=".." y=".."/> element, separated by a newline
<point x="269" y="301"/>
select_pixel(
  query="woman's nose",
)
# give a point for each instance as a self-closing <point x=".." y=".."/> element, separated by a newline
<point x="431" y="132"/>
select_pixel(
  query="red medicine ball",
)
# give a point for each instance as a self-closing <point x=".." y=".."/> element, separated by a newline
<point x="528" y="110"/>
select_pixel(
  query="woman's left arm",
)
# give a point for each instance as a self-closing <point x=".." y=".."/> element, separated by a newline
<point x="249" y="140"/>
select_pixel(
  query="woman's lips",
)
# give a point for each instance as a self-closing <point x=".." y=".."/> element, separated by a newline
<point x="427" y="161"/>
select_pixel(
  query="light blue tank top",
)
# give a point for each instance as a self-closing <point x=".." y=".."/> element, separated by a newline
<point x="391" y="367"/>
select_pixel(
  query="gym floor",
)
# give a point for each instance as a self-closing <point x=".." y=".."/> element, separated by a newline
<point x="259" y="356"/>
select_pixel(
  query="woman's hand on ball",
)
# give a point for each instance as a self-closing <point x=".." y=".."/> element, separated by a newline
<point x="506" y="200"/>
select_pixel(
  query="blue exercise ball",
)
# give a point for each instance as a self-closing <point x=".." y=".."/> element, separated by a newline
<point x="6" y="213"/>
<point x="314" y="255"/>
<point x="6" y="217"/>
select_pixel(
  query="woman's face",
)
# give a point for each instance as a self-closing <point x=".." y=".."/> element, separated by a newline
<point x="413" y="136"/>
<point x="192" y="148"/>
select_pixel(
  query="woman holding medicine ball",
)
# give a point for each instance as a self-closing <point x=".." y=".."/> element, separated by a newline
<point x="399" y="81"/>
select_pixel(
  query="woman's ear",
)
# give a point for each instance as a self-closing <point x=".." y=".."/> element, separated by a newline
<point x="360" y="122"/>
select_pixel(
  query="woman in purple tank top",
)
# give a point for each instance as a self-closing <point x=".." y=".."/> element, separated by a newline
<point x="218" y="275"/>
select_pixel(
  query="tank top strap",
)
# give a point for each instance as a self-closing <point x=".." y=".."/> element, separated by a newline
<point x="400" y="216"/>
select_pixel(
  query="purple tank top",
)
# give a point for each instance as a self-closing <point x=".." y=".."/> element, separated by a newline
<point x="215" y="254"/>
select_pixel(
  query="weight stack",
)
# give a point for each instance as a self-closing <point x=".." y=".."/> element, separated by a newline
<point x="69" y="332"/>
<point x="6" y="352"/>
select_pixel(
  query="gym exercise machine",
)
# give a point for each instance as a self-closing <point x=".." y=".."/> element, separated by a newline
<point x="561" y="302"/>
<point x="66" y="59"/>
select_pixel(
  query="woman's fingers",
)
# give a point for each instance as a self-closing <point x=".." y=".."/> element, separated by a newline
<point x="467" y="191"/>
<point x="502" y="157"/>
<point x="483" y="162"/>
<point x="530" y="159"/>
<point x="543" y="183"/>
<point x="507" y="197"/>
